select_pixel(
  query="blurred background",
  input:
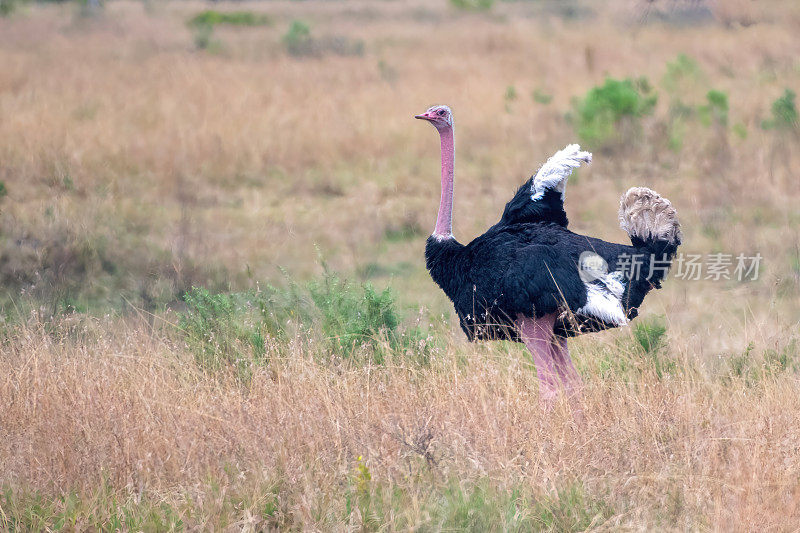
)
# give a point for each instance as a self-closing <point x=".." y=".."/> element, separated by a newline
<point x="149" y="147"/>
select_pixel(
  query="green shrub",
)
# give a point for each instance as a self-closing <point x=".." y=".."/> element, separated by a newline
<point x="202" y="25"/>
<point x="231" y="330"/>
<point x="219" y="329"/>
<point x="299" y="43"/>
<point x="715" y="111"/>
<point x="681" y="75"/>
<point x="472" y="5"/>
<point x="784" y="113"/>
<point x="649" y="335"/>
<point x="541" y="97"/>
<point x="354" y="317"/>
<point x="202" y="35"/>
<point x="7" y="7"/>
<point x="643" y="352"/>
<point x="752" y="369"/>
<point x="600" y="117"/>
<point x="297" y="40"/>
<point x="232" y="18"/>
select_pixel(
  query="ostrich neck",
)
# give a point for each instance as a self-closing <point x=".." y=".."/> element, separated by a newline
<point x="444" y="222"/>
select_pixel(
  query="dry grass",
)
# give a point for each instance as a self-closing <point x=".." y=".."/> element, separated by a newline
<point x="137" y="166"/>
<point x="97" y="402"/>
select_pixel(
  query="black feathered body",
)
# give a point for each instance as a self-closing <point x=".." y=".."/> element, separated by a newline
<point x="531" y="269"/>
<point x="521" y="209"/>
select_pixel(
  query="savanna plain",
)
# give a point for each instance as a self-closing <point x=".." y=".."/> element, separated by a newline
<point x="215" y="309"/>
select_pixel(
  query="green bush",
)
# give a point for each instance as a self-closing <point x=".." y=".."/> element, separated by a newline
<point x="202" y="35"/>
<point x="232" y="18"/>
<point x="752" y="369"/>
<point x="220" y="329"/>
<point x="682" y="74"/>
<point x="784" y="113"/>
<point x="715" y="111"/>
<point x="297" y="40"/>
<point x="354" y="317"/>
<point x="644" y="352"/>
<point x="649" y="335"/>
<point x="601" y="116"/>
<point x="232" y="330"/>
<point x="541" y="97"/>
<point x="7" y="7"/>
<point x="299" y="43"/>
<point x="472" y="5"/>
<point x="203" y="24"/>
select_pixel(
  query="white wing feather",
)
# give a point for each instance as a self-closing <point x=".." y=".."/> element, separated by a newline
<point x="554" y="173"/>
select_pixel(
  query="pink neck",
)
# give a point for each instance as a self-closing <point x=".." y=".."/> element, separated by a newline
<point x="444" y="222"/>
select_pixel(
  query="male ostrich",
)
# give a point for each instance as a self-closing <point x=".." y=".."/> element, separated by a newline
<point x="521" y="279"/>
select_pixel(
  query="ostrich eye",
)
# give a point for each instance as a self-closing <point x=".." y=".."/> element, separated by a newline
<point x="440" y="112"/>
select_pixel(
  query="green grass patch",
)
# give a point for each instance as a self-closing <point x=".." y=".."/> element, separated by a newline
<point x="231" y="18"/>
<point x="472" y="5"/>
<point x="784" y="113"/>
<point x="202" y="25"/>
<point x="753" y="366"/>
<point x="609" y="115"/>
<point x="645" y="351"/>
<point x="299" y="42"/>
<point x="237" y="331"/>
<point x="362" y="503"/>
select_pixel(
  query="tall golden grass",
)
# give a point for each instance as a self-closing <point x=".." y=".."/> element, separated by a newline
<point x="187" y="166"/>
<point x="102" y="402"/>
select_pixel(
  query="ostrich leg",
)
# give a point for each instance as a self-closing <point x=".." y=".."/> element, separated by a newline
<point x="537" y="333"/>
<point x="566" y="370"/>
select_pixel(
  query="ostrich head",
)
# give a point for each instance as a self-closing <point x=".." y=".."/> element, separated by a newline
<point x="439" y="115"/>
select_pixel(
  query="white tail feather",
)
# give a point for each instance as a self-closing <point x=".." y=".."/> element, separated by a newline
<point x="554" y="173"/>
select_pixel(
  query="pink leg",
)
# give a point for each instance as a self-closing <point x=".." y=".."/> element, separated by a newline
<point x="566" y="370"/>
<point x="537" y="334"/>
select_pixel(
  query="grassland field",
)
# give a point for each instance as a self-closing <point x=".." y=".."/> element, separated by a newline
<point x="202" y="206"/>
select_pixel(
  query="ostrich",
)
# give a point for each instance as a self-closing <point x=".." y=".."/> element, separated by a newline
<point x="529" y="279"/>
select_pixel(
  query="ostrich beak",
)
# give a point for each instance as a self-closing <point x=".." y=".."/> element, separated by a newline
<point x="424" y="116"/>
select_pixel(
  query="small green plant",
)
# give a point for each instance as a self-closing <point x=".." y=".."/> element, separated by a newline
<point x="541" y="97"/>
<point x="649" y="335"/>
<point x="472" y="5"/>
<point x="353" y="318"/>
<point x="681" y="75"/>
<point x="7" y="7"/>
<point x="297" y="40"/>
<point x="202" y="25"/>
<point x="232" y="18"/>
<point x="645" y="351"/>
<point x="3" y="189"/>
<point x="202" y="35"/>
<point x="219" y="331"/>
<point x="751" y="368"/>
<point x="509" y="97"/>
<point x="511" y="93"/>
<point x="715" y="111"/>
<point x="232" y="330"/>
<point x="299" y="43"/>
<point x="362" y="477"/>
<point x="609" y="114"/>
<point x="784" y="113"/>
<point x="572" y="509"/>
